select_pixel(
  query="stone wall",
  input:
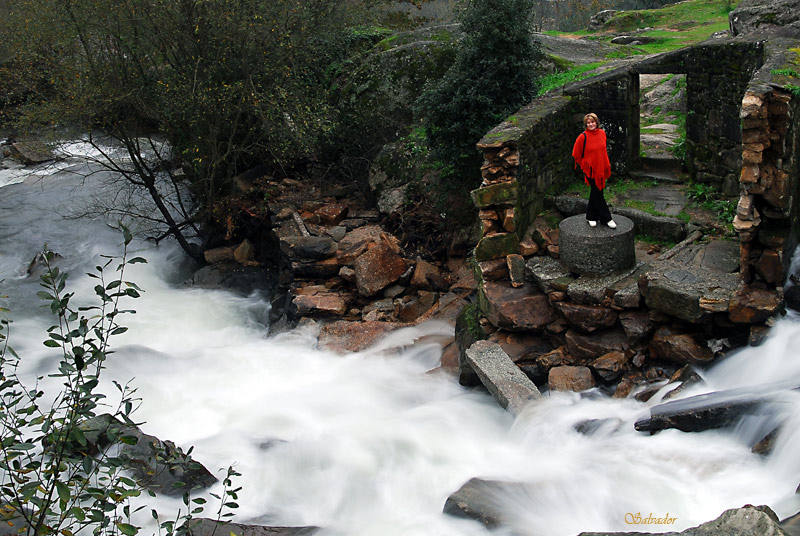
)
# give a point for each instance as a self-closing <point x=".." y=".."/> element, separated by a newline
<point x="767" y="212"/>
<point x="614" y="97"/>
<point x="532" y="150"/>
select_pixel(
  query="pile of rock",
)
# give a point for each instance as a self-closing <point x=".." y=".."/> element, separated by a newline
<point x="568" y="331"/>
<point x="337" y="262"/>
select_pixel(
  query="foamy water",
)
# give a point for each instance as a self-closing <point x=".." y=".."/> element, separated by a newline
<point x="373" y="442"/>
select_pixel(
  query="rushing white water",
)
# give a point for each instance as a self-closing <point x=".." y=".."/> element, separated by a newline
<point x="373" y="442"/>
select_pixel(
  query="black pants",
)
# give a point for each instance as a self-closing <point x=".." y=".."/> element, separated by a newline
<point x="597" y="210"/>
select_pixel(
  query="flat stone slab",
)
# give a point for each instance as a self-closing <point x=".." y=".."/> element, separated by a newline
<point x="702" y="412"/>
<point x="590" y="289"/>
<point x="505" y="381"/>
<point x="689" y="292"/>
<point x="666" y="198"/>
<point x="543" y="271"/>
<point x="596" y="250"/>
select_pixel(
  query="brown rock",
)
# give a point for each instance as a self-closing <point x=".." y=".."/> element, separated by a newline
<point x="770" y="266"/>
<point x="516" y="269"/>
<point x="753" y="306"/>
<point x="345" y="336"/>
<point x="777" y="193"/>
<point x="528" y="247"/>
<point x="508" y="220"/>
<point x="521" y="346"/>
<point x="348" y="274"/>
<point x="627" y="384"/>
<point x="217" y="255"/>
<point x="753" y="135"/>
<point x="354" y="251"/>
<point x="750" y="173"/>
<point x="494" y="270"/>
<point x="752" y="157"/>
<point x="680" y="348"/>
<point x="315" y="269"/>
<point x="569" y="378"/>
<point x="245" y="253"/>
<point x="363" y="236"/>
<point x="587" y="318"/>
<point x="410" y="308"/>
<point x="609" y="366"/>
<point x="553" y="251"/>
<point x="422" y="270"/>
<point x="377" y="268"/>
<point x="489" y="227"/>
<point x="559" y="325"/>
<point x="515" y="309"/>
<point x="464" y="279"/>
<point x="637" y="324"/>
<point x="555" y="358"/>
<point x="488" y="214"/>
<point x="557" y="296"/>
<point x="317" y="300"/>
<point x="586" y="347"/>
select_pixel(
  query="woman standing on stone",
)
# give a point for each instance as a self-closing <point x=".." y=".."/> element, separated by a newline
<point x="590" y="154"/>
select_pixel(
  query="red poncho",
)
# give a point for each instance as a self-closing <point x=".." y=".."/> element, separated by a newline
<point x="594" y="159"/>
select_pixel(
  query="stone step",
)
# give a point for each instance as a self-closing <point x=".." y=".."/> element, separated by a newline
<point x="660" y="175"/>
<point x="663" y="162"/>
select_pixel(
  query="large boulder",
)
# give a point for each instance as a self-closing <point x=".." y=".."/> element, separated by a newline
<point x="157" y="464"/>
<point x="378" y="268"/>
<point x="211" y="527"/>
<point x="515" y="309"/>
<point x="746" y="521"/>
<point x="774" y="17"/>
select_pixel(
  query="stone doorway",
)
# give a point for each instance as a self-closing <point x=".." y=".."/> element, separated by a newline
<point x="662" y="122"/>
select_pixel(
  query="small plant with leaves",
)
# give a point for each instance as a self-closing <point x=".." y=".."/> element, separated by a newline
<point x="710" y="198"/>
<point x="56" y="474"/>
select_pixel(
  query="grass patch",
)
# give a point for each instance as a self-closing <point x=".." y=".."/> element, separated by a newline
<point x="555" y="80"/>
<point x="622" y="187"/>
<point x="674" y="26"/>
<point x="683" y="17"/>
<point x="648" y="239"/>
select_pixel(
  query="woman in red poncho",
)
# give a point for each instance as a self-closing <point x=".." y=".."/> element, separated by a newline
<point x="590" y="154"/>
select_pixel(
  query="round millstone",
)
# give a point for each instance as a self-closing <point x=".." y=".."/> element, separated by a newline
<point x="596" y="250"/>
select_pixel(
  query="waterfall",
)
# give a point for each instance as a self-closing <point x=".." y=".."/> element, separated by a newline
<point x="373" y="442"/>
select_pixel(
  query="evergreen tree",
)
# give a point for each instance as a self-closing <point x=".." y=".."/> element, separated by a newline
<point x="494" y="74"/>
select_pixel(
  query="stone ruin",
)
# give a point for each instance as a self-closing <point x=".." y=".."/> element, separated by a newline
<point x="569" y="330"/>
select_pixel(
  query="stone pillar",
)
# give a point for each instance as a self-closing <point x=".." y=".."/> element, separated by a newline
<point x="596" y="250"/>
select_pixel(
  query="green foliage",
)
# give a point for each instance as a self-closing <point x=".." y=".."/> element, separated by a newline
<point x="648" y="239"/>
<point x="230" y="84"/>
<point x="710" y="198"/>
<point x="55" y="479"/>
<point x="794" y="89"/>
<point x="493" y="75"/>
<point x="552" y="81"/>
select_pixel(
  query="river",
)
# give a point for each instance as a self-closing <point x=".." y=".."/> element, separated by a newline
<point x="372" y="443"/>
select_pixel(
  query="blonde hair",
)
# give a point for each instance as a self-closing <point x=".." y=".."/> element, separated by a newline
<point x="593" y="116"/>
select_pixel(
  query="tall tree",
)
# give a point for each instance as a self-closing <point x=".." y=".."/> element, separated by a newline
<point x="495" y="72"/>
